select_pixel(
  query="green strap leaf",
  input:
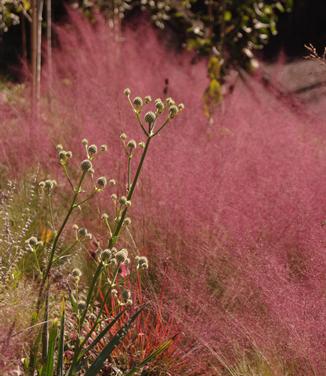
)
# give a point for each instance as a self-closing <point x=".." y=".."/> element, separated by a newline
<point x="49" y="366"/>
<point x="100" y="360"/>
<point x="61" y="341"/>
<point x="153" y="355"/>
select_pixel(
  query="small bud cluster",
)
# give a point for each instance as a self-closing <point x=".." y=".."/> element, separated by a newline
<point x="142" y="262"/>
<point x="48" y="185"/>
<point x="124" y="201"/>
<point x="64" y="156"/>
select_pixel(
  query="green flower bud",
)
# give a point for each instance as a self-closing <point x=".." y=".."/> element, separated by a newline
<point x="76" y="273"/>
<point x="121" y="255"/>
<point x="142" y="262"/>
<point x="112" y="182"/>
<point x="132" y="144"/>
<point x="138" y="102"/>
<point x="86" y="165"/>
<point x="159" y="105"/>
<point x="106" y="255"/>
<point x="82" y="232"/>
<point x="123" y="136"/>
<point x="123" y="200"/>
<point x="147" y="99"/>
<point x="101" y="182"/>
<point x="173" y="110"/>
<point x="85" y="141"/>
<point x="69" y="154"/>
<point x="141" y="144"/>
<point x="62" y="155"/>
<point x="92" y="149"/>
<point x="150" y="117"/>
<point x="127" y="92"/>
<point x="114" y="197"/>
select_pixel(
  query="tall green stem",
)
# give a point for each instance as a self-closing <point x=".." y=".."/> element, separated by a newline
<point x="117" y="229"/>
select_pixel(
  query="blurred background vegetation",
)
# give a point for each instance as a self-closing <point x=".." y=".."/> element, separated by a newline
<point x="229" y="33"/>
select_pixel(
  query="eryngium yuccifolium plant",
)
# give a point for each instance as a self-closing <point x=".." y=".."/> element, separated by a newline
<point x="111" y="263"/>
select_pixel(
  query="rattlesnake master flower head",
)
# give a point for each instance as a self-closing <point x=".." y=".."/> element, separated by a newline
<point x="127" y="92"/>
<point x="76" y="273"/>
<point x="101" y="182"/>
<point x="141" y="144"/>
<point x="114" y="197"/>
<point x="103" y="148"/>
<point x="59" y="147"/>
<point x="159" y="105"/>
<point x="32" y="241"/>
<point x="127" y="221"/>
<point x="112" y="182"/>
<point x="147" y="99"/>
<point x="132" y="144"/>
<point x="82" y="232"/>
<point x="170" y="101"/>
<point x="150" y="117"/>
<point x="62" y="155"/>
<point x="123" y="136"/>
<point x="85" y="141"/>
<point x="125" y="295"/>
<point x="142" y="262"/>
<point x="106" y="255"/>
<point x="86" y="165"/>
<point x="121" y="256"/>
<point x="123" y="200"/>
<point x="138" y="103"/>
<point x="92" y="149"/>
<point x="173" y="110"/>
<point x="181" y="106"/>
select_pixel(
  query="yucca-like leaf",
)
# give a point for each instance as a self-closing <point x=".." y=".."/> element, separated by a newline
<point x="100" y="360"/>
<point x="61" y="341"/>
<point x="153" y="355"/>
<point x="49" y="366"/>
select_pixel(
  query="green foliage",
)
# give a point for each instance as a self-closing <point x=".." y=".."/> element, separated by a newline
<point x="10" y="10"/>
<point x="88" y="323"/>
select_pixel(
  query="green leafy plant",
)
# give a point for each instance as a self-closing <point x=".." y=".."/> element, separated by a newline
<point x="82" y="306"/>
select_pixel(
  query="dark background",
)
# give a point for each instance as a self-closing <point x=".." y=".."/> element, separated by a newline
<point x="306" y="24"/>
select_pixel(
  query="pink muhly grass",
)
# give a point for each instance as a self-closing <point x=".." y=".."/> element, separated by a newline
<point x="229" y="212"/>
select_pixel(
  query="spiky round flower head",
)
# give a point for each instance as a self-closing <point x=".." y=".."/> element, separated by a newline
<point x="76" y="273"/>
<point x="132" y="144"/>
<point x="173" y="110"/>
<point x="85" y="141"/>
<point x="159" y="105"/>
<point x="148" y="99"/>
<point x="62" y="155"/>
<point x="105" y="255"/>
<point x="181" y="106"/>
<point x="150" y="117"/>
<point x="81" y="305"/>
<point x="138" y="102"/>
<point x="128" y="204"/>
<point x="103" y="148"/>
<point x="101" y="182"/>
<point x="127" y="221"/>
<point x="123" y="136"/>
<point x="121" y="255"/>
<point x="112" y="182"/>
<point x="127" y="92"/>
<point x="50" y="184"/>
<point x="59" y="147"/>
<point x="141" y="144"/>
<point x="114" y="197"/>
<point x="39" y="243"/>
<point x="142" y="262"/>
<point x="170" y="101"/>
<point x="86" y="165"/>
<point x="41" y="184"/>
<point x="89" y="236"/>
<point x="32" y="241"/>
<point x="69" y="154"/>
<point x="114" y="292"/>
<point x="82" y="232"/>
<point x="75" y="227"/>
<point x="105" y="216"/>
<point x="123" y="200"/>
<point x="92" y="149"/>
